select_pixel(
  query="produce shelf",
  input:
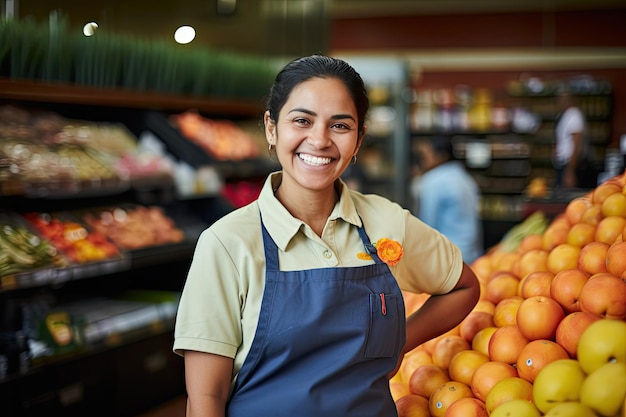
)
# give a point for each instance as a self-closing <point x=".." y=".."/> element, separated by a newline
<point x="131" y="259"/>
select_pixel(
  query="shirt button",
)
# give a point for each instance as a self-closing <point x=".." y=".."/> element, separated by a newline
<point x="327" y="254"/>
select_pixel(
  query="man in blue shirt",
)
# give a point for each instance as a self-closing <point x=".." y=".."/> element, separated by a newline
<point x="448" y="198"/>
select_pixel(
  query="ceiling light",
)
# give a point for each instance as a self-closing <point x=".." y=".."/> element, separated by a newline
<point x="90" y="28"/>
<point x="184" y="34"/>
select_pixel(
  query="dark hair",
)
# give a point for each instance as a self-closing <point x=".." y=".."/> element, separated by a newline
<point x="441" y="144"/>
<point x="317" y="66"/>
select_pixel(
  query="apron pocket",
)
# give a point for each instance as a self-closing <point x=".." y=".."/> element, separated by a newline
<point x="382" y="338"/>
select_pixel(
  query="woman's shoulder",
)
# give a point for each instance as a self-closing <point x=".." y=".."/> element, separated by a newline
<point x="239" y="223"/>
<point x="375" y="202"/>
<point x="380" y="214"/>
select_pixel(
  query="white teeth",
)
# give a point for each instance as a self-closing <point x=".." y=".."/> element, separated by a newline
<point x="314" y="160"/>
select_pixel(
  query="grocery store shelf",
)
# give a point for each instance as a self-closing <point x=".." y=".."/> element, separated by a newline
<point x="35" y="91"/>
<point x="131" y="260"/>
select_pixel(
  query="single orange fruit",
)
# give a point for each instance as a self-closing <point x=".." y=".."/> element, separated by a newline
<point x="575" y="209"/>
<point x="507" y="261"/>
<point x="609" y="228"/>
<point x="593" y="215"/>
<point x="447" y="394"/>
<point x="616" y="258"/>
<point x="536" y="283"/>
<point x="580" y="234"/>
<point x="426" y="379"/>
<point x="533" y="260"/>
<point x="447" y="347"/>
<point x="467" y="407"/>
<point x="506" y="343"/>
<point x="473" y="323"/>
<point x="413" y="360"/>
<point x="555" y="235"/>
<point x="489" y="374"/>
<point x="480" y="342"/>
<point x="509" y="389"/>
<point x="614" y="205"/>
<point x="398" y="389"/>
<point x="562" y="257"/>
<point x="482" y="268"/>
<point x="602" y="191"/>
<point x="505" y="312"/>
<point x="464" y="364"/>
<point x="536" y="355"/>
<point x="592" y="258"/>
<point x="503" y="285"/>
<point x="412" y="406"/>
<point x="566" y="288"/>
<point x="534" y="241"/>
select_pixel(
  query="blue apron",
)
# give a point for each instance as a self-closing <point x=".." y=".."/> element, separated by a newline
<point x="325" y="342"/>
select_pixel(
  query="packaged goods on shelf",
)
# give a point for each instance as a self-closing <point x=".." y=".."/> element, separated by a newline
<point x="134" y="226"/>
<point x="46" y="154"/>
<point x="73" y="238"/>
<point x="68" y="327"/>
<point x="23" y="250"/>
<point x="222" y="139"/>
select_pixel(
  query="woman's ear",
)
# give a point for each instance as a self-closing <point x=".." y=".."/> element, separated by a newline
<point x="270" y="128"/>
<point x="359" y="141"/>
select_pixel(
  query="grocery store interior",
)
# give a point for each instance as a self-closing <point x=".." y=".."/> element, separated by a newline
<point x="127" y="128"/>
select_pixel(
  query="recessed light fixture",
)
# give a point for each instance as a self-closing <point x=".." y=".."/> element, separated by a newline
<point x="184" y="34"/>
<point x="90" y="28"/>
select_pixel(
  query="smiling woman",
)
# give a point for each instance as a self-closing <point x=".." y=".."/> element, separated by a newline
<point x="289" y="307"/>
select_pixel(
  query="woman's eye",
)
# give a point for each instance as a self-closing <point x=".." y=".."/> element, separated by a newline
<point x="301" y="121"/>
<point x="341" y="126"/>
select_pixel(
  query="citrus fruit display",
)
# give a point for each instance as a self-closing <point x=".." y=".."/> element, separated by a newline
<point x="548" y="335"/>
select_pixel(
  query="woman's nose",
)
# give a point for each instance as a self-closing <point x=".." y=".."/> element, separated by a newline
<point x="318" y="137"/>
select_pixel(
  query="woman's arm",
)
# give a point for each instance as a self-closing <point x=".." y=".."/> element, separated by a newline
<point x="207" y="378"/>
<point x="443" y="312"/>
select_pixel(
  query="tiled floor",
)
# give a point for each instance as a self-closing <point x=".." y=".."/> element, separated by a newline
<point x="172" y="408"/>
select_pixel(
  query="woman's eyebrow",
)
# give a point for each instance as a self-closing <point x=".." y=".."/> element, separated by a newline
<point x="312" y="113"/>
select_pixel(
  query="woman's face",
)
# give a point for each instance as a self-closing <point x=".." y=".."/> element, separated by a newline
<point x="316" y="134"/>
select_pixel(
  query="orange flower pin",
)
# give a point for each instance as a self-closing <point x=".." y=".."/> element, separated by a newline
<point x="389" y="251"/>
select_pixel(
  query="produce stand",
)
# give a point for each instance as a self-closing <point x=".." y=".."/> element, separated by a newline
<point x="548" y="335"/>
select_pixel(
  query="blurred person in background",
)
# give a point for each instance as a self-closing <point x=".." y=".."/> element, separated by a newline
<point x="447" y="197"/>
<point x="572" y="153"/>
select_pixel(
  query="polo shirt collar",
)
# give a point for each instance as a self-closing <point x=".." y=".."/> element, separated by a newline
<point x="282" y="226"/>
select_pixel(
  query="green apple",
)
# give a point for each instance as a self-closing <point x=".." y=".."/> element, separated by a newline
<point x="517" y="407"/>
<point x="602" y="342"/>
<point x="557" y="382"/>
<point x="571" y="409"/>
<point x="604" y="390"/>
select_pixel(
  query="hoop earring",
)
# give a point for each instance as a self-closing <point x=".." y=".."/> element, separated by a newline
<point x="353" y="159"/>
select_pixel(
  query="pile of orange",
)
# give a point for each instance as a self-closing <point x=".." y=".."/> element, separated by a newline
<point x="536" y="302"/>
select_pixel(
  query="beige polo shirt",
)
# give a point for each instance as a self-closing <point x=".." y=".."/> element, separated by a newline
<point x="222" y="296"/>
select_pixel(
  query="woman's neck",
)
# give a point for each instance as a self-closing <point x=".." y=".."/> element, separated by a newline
<point x="312" y="207"/>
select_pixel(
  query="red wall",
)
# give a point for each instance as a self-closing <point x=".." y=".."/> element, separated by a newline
<point x="548" y="29"/>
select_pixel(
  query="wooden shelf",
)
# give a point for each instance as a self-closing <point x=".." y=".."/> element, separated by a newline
<point x="34" y="91"/>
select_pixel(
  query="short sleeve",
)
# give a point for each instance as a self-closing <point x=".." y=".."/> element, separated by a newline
<point x="209" y="312"/>
<point x="432" y="263"/>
